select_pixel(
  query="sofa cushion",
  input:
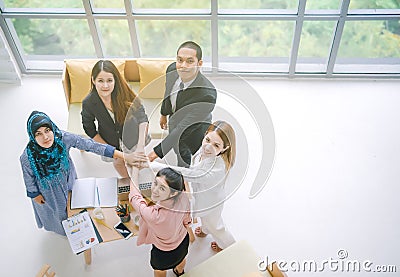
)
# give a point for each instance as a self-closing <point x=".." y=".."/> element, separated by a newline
<point x="131" y="71"/>
<point x="152" y="70"/>
<point x="79" y="73"/>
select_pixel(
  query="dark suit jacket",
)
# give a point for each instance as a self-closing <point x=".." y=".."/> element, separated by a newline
<point x="93" y="109"/>
<point x="192" y="114"/>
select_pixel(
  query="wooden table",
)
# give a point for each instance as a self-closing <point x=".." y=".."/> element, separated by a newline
<point x="111" y="218"/>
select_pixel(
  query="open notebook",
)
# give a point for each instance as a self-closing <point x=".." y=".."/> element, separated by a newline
<point x="94" y="192"/>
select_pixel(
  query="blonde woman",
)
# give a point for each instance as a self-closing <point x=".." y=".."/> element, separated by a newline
<point x="207" y="177"/>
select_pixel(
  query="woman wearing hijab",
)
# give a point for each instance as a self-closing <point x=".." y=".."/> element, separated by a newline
<point x="48" y="170"/>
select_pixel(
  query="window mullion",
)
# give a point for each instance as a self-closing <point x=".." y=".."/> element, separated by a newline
<point x="296" y="37"/>
<point x="337" y="37"/>
<point x="214" y="36"/>
<point x="94" y="30"/>
<point x="132" y="29"/>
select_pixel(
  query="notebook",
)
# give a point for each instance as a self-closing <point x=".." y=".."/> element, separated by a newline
<point x="94" y="192"/>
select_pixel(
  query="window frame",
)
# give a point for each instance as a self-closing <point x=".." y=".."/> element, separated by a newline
<point x="29" y="64"/>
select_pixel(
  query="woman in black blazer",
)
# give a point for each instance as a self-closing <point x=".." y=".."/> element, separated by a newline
<point x="121" y="118"/>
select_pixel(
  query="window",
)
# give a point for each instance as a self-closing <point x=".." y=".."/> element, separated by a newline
<point x="157" y="40"/>
<point x="43" y="4"/>
<point x="315" y="44"/>
<point x="46" y="36"/>
<point x="114" y="34"/>
<point x="261" y="4"/>
<point x="370" y="45"/>
<point x="276" y="37"/>
<point x="264" y="44"/>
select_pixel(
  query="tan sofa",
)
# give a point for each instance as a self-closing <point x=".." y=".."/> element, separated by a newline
<point x="145" y="76"/>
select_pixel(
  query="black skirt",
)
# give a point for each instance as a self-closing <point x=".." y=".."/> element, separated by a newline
<point x="163" y="260"/>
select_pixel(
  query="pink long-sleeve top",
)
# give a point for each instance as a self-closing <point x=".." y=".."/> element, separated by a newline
<point x="162" y="225"/>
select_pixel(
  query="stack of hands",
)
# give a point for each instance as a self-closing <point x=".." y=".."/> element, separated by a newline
<point x="137" y="159"/>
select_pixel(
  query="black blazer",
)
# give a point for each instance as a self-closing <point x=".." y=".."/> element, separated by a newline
<point x="192" y="114"/>
<point x="93" y="109"/>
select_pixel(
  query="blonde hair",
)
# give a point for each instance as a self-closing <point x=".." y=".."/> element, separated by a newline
<point x="227" y="134"/>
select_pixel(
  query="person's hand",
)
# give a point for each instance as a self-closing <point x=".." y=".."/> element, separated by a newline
<point x="152" y="156"/>
<point x="139" y="165"/>
<point x="135" y="157"/>
<point x="142" y="165"/>
<point x="163" y="122"/>
<point x="39" y="199"/>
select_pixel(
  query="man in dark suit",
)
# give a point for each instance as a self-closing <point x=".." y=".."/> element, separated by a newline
<point x="188" y="102"/>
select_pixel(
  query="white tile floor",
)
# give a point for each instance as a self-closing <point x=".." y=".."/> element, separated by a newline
<point x="334" y="185"/>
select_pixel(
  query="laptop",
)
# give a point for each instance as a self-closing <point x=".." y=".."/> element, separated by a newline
<point x="146" y="178"/>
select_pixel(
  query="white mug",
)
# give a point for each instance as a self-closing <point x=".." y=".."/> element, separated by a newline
<point x="98" y="213"/>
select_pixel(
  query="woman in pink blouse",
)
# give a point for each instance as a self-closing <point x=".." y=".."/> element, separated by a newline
<point x="164" y="225"/>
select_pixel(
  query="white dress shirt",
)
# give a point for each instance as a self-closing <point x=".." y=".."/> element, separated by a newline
<point x="175" y="90"/>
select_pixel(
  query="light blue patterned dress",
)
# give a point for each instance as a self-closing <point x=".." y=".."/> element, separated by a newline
<point x="55" y="191"/>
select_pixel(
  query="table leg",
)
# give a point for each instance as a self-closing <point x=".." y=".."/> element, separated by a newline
<point x="88" y="256"/>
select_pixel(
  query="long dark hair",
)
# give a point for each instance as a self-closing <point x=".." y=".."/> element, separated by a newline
<point x="122" y="96"/>
<point x="173" y="178"/>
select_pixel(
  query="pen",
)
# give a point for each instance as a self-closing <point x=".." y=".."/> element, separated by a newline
<point x="103" y="223"/>
<point x="98" y="195"/>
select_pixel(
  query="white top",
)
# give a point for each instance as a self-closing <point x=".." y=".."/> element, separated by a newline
<point x="111" y="114"/>
<point x="207" y="178"/>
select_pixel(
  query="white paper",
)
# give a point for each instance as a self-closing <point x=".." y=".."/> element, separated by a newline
<point x="83" y="193"/>
<point x="108" y="194"/>
<point x="94" y="192"/>
<point x="80" y="232"/>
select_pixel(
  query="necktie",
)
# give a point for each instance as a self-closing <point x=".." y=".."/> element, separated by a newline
<point x="181" y="86"/>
